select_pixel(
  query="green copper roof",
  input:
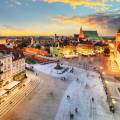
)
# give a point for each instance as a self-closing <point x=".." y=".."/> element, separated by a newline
<point x="92" y="35"/>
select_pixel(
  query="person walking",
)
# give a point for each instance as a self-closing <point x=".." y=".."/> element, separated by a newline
<point x="68" y="97"/>
<point x="76" y="110"/>
<point x="92" y="99"/>
<point x="71" y="116"/>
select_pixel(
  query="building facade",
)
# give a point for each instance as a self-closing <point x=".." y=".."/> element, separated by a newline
<point x="18" y="67"/>
<point x="5" y="68"/>
<point x="12" y="66"/>
<point x="117" y="48"/>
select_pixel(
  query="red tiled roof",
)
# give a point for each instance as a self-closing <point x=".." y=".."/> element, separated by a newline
<point x="17" y="54"/>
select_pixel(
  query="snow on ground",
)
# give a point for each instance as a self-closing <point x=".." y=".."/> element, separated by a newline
<point x="81" y="93"/>
<point x="49" y="69"/>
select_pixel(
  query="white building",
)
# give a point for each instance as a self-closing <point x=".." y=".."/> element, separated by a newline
<point x="5" y="68"/>
<point x="12" y="67"/>
<point x="18" y="66"/>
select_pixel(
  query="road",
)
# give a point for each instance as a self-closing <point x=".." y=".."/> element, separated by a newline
<point x="40" y="104"/>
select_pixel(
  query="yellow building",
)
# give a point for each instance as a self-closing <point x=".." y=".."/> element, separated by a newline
<point x="68" y="50"/>
<point x="85" y="49"/>
<point x="3" y="41"/>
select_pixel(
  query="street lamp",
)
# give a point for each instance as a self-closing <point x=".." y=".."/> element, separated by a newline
<point x="101" y="68"/>
<point x="103" y="73"/>
<point x="113" y="101"/>
<point x="106" y="81"/>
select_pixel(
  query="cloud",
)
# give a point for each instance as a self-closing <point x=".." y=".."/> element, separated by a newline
<point x="8" y="30"/>
<point x="16" y="2"/>
<point x="98" y="5"/>
<point x="105" y="23"/>
<point x="111" y="0"/>
<point x="9" y="27"/>
<point x="90" y="3"/>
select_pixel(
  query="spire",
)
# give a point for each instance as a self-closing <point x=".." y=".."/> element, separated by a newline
<point x="80" y="28"/>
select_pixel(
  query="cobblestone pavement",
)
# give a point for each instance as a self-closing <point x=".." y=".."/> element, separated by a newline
<point x="43" y="103"/>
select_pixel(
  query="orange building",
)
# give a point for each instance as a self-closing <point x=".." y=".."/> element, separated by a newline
<point x="36" y="51"/>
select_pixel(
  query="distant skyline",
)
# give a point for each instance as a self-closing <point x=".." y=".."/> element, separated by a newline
<point x="63" y="17"/>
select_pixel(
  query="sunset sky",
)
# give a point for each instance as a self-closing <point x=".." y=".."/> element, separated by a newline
<point x="64" y="17"/>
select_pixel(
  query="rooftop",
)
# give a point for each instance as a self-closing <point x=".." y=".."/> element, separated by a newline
<point x="2" y="55"/>
<point x="11" y="85"/>
<point x="92" y="35"/>
<point x="42" y="38"/>
<point x="4" y="51"/>
<point x="2" y="92"/>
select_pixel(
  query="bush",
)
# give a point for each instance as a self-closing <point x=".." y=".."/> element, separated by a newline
<point x="38" y="46"/>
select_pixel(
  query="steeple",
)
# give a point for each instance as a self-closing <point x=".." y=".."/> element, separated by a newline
<point x="80" y="29"/>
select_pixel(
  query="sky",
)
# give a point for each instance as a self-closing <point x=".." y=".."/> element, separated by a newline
<point x="63" y="17"/>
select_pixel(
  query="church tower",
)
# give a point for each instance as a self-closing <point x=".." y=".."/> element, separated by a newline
<point x="80" y="29"/>
<point x="81" y="34"/>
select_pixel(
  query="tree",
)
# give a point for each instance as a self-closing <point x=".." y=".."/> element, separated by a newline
<point x="38" y="46"/>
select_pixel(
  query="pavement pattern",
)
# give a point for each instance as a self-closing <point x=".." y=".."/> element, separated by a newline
<point x="42" y="103"/>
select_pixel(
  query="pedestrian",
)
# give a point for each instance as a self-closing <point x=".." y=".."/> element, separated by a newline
<point x="10" y="102"/>
<point x="68" y="97"/>
<point x="76" y="110"/>
<point x="71" y="116"/>
<point x="92" y="99"/>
